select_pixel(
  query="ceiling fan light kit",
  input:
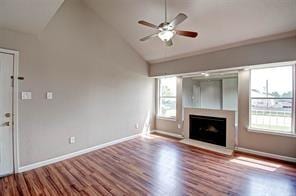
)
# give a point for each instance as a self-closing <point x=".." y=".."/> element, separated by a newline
<point x="166" y="30"/>
<point x="166" y="35"/>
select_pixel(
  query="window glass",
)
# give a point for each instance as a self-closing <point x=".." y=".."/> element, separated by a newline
<point x="167" y="97"/>
<point x="272" y="82"/>
<point x="272" y="99"/>
<point x="168" y="87"/>
<point x="167" y="107"/>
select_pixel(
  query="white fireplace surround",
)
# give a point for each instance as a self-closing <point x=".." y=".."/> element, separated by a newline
<point x="230" y="129"/>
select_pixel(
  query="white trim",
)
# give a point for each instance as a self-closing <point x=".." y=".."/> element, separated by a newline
<point x="266" y="66"/>
<point x="271" y="65"/>
<point x="166" y="118"/>
<point x="294" y="98"/>
<point x="270" y="132"/>
<point x="15" y="129"/>
<point x="226" y="46"/>
<point x="171" y="118"/>
<point x="208" y="146"/>
<point x="179" y="136"/>
<point x="265" y="154"/>
<point x="74" y="154"/>
<point x="231" y="69"/>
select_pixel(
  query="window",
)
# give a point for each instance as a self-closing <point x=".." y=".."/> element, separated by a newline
<point x="272" y="99"/>
<point x="167" y="97"/>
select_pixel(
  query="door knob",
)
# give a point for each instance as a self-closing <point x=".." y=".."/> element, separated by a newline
<point x="7" y="124"/>
<point x="7" y="115"/>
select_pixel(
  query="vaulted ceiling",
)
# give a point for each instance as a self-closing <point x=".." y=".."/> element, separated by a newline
<point x="219" y="22"/>
<point x="28" y="16"/>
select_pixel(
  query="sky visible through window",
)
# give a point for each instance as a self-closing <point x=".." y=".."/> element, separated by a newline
<point x="279" y="79"/>
<point x="168" y="86"/>
<point x="272" y="98"/>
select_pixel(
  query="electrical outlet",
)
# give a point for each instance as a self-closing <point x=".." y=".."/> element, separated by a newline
<point x="137" y="125"/>
<point x="49" y="95"/>
<point x="26" y="95"/>
<point x="72" y="140"/>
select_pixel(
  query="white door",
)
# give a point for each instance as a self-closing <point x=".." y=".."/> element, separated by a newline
<point x="6" y="149"/>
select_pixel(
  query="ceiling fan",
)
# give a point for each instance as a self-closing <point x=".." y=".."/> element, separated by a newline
<point x="166" y="30"/>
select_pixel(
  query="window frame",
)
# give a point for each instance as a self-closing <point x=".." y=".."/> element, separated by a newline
<point x="159" y="97"/>
<point x="293" y="116"/>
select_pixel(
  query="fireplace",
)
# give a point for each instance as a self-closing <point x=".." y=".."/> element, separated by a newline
<point x="208" y="129"/>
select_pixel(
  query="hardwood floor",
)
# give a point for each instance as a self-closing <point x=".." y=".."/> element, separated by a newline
<point x="155" y="166"/>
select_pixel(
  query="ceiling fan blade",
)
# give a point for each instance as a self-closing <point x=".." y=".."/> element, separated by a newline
<point x="169" y="43"/>
<point x="148" y="24"/>
<point x="178" y="19"/>
<point x="187" y="33"/>
<point x="148" y="37"/>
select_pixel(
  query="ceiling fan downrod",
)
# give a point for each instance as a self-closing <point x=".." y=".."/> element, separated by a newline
<point x="165" y="12"/>
<point x="167" y="30"/>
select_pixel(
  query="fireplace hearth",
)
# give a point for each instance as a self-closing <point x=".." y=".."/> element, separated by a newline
<point x="208" y="129"/>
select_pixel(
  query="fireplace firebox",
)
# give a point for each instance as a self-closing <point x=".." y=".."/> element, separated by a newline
<point x="208" y="129"/>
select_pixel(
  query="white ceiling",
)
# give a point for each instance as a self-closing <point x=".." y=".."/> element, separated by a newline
<point x="29" y="16"/>
<point x="219" y="22"/>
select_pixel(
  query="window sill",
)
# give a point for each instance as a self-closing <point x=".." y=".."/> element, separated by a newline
<point x="269" y="132"/>
<point x="166" y="118"/>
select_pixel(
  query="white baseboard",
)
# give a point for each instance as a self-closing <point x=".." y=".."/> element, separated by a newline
<point x="265" y="154"/>
<point x="73" y="154"/>
<point x="179" y="136"/>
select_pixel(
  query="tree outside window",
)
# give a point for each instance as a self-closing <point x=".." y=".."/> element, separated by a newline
<point x="271" y="99"/>
<point x="167" y="97"/>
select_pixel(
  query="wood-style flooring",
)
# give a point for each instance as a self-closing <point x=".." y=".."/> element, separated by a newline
<point x="155" y="165"/>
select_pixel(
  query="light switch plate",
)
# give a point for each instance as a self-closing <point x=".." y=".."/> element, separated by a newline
<point x="26" y="95"/>
<point x="72" y="140"/>
<point x="49" y="95"/>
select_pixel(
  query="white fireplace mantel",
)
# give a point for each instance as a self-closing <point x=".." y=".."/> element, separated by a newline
<point x="230" y="128"/>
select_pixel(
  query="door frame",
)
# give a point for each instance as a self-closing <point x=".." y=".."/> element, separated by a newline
<point x="15" y="129"/>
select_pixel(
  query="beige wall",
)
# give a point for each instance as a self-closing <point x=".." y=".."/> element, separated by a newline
<point x="267" y="52"/>
<point x="100" y="85"/>
<point x="281" y="145"/>
<point x="261" y="53"/>
<point x="172" y="125"/>
<point x="275" y="144"/>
